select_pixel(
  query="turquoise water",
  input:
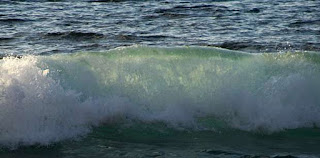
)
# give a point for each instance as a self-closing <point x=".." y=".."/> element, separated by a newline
<point x="143" y="101"/>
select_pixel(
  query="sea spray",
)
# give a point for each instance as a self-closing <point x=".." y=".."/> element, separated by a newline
<point x="36" y="109"/>
<point x="46" y="99"/>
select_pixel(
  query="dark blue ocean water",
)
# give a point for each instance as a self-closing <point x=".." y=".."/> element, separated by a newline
<point x="174" y="78"/>
<point x="42" y="27"/>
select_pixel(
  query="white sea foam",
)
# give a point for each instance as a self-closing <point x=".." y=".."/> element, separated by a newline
<point x="36" y="109"/>
<point x="49" y="99"/>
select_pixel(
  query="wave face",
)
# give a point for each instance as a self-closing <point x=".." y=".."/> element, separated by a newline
<point x="45" y="99"/>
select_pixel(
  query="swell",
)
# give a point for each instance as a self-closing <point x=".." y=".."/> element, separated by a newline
<point x="64" y="95"/>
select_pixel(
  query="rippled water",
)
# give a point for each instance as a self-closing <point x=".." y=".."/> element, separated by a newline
<point x="72" y="26"/>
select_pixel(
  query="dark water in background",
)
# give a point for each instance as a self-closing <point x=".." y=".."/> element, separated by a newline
<point x="157" y="99"/>
<point x="71" y="26"/>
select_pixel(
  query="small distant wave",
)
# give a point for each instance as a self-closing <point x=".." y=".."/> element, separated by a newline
<point x="304" y="22"/>
<point x="11" y="20"/>
<point x="173" y="15"/>
<point x="167" y="15"/>
<point x="239" y="45"/>
<point x="128" y="37"/>
<point x="74" y="35"/>
<point x="6" y="38"/>
<point x="194" y="6"/>
<point x="106" y="1"/>
<point x="271" y="47"/>
<point x="182" y="11"/>
<point x="254" y="10"/>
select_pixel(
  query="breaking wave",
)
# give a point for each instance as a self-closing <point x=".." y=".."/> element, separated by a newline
<point x="45" y="99"/>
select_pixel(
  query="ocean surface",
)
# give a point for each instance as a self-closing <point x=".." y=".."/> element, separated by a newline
<point x="183" y="78"/>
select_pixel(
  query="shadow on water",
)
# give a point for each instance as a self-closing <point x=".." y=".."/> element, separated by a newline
<point x="139" y="139"/>
<point x="36" y="151"/>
